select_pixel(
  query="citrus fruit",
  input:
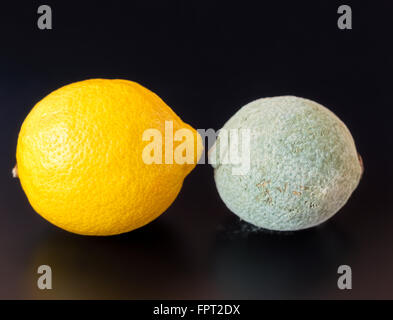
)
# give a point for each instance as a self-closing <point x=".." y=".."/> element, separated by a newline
<point x="82" y="159"/>
<point x="300" y="165"/>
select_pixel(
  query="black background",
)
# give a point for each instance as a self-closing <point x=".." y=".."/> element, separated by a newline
<point x="206" y="59"/>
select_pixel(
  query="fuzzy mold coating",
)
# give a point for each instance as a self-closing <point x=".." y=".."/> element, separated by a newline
<point x="303" y="164"/>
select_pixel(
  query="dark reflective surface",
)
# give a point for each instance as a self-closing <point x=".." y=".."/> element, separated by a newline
<point x="205" y="60"/>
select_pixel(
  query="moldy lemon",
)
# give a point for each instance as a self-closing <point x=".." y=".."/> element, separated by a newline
<point x="80" y="157"/>
<point x="302" y="164"/>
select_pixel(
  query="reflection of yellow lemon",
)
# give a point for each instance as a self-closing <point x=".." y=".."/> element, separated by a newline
<point x="80" y="157"/>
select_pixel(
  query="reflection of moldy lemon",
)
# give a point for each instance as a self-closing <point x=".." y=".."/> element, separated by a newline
<point x="80" y="157"/>
<point x="303" y="164"/>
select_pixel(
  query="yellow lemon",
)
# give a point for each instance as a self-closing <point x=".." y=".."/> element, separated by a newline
<point x="94" y="157"/>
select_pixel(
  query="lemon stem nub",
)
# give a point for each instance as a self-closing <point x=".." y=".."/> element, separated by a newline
<point x="361" y="163"/>
<point x="15" y="171"/>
